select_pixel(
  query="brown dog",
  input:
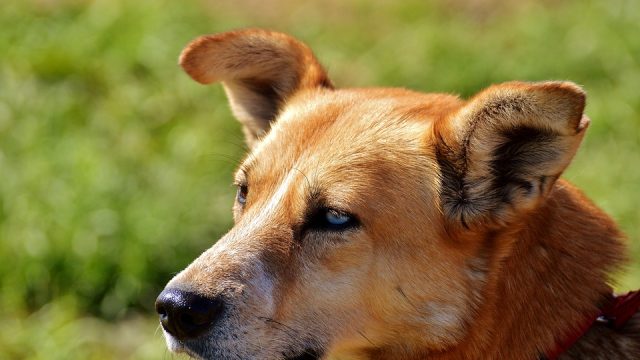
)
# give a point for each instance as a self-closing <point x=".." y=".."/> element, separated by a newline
<point x="390" y="224"/>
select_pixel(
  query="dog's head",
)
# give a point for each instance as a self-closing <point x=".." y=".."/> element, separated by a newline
<point x="360" y="212"/>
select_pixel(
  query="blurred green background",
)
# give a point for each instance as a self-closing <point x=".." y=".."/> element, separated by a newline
<point x="116" y="168"/>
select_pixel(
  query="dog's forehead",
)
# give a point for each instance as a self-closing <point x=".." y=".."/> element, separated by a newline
<point x="338" y="146"/>
<point x="332" y="129"/>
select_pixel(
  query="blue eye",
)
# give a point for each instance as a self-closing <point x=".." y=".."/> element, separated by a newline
<point x="336" y="218"/>
<point x="328" y="219"/>
<point x="241" y="196"/>
<point x="333" y="220"/>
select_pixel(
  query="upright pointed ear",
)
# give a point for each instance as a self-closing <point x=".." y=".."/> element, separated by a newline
<point x="259" y="70"/>
<point x="502" y="152"/>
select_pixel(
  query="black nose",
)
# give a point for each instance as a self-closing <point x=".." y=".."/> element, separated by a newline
<point x="186" y="315"/>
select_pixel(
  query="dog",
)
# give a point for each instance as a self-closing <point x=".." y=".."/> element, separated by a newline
<point x="384" y="223"/>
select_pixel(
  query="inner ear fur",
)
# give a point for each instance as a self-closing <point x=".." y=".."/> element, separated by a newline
<point x="259" y="70"/>
<point x="501" y="153"/>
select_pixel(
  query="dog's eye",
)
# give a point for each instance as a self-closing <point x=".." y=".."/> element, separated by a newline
<point x="332" y="220"/>
<point x="241" y="196"/>
<point x="336" y="218"/>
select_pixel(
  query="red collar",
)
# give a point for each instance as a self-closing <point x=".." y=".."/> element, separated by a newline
<point x="615" y="314"/>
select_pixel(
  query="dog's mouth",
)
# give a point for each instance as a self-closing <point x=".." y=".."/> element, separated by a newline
<point x="307" y="354"/>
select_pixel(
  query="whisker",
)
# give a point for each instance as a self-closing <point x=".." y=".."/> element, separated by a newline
<point x="407" y="298"/>
<point x="155" y="333"/>
<point x="225" y="158"/>
<point x="239" y="144"/>
<point x="291" y="332"/>
<point x="366" y="338"/>
<point x="270" y="320"/>
<point x="305" y="176"/>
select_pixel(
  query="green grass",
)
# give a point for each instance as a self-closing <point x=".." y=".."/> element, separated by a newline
<point x="115" y="166"/>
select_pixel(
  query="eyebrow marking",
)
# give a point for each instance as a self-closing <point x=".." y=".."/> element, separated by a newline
<point x="314" y="193"/>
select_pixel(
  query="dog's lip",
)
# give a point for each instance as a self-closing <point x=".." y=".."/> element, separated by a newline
<point x="179" y="347"/>
<point x="309" y="354"/>
<point x="192" y="354"/>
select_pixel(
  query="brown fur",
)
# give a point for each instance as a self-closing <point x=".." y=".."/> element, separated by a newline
<point x="467" y="246"/>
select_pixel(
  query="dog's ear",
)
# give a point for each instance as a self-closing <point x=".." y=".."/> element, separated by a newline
<point x="501" y="153"/>
<point x="259" y="70"/>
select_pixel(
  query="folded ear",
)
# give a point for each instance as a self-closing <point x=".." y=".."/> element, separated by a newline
<point x="502" y="152"/>
<point x="259" y="70"/>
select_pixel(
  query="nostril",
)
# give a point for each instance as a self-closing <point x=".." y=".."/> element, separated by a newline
<point x="160" y="309"/>
<point x="185" y="314"/>
<point x="164" y="317"/>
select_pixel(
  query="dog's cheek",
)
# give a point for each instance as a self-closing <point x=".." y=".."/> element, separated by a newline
<point x="334" y="284"/>
<point x="258" y="295"/>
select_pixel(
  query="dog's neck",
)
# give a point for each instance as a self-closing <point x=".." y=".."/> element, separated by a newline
<point x="553" y="273"/>
<point x="545" y="276"/>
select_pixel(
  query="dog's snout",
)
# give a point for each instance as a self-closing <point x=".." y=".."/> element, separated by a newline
<point x="186" y="315"/>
